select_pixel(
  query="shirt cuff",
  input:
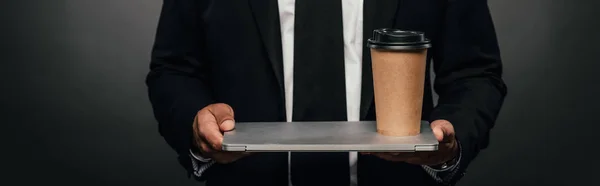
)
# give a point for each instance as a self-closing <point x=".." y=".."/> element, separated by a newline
<point x="446" y="173"/>
<point x="200" y="164"/>
<point x="198" y="157"/>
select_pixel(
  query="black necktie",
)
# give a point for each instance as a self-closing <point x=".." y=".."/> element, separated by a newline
<point x="319" y="87"/>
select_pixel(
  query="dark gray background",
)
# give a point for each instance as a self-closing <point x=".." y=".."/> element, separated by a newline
<point x="76" y="111"/>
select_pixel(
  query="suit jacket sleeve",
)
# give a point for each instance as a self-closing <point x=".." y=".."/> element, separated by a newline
<point x="178" y="84"/>
<point x="468" y="75"/>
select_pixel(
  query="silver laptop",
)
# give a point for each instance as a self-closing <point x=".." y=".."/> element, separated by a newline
<point x="321" y="137"/>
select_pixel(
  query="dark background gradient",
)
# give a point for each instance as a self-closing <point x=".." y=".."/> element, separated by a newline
<point x="75" y="108"/>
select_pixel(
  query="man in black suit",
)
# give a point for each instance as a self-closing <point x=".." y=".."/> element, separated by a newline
<point x="303" y="60"/>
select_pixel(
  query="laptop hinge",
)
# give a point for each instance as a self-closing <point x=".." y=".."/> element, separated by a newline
<point x="426" y="147"/>
<point x="237" y="148"/>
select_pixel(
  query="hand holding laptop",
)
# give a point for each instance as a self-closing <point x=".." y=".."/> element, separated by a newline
<point x="209" y="125"/>
<point x="448" y="148"/>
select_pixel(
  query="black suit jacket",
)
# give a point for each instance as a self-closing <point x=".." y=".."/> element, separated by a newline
<point x="229" y="51"/>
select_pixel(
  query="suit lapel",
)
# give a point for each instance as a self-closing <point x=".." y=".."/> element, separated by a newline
<point x="266" y="17"/>
<point x="377" y="14"/>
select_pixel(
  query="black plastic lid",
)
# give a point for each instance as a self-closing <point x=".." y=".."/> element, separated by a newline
<point x="395" y="39"/>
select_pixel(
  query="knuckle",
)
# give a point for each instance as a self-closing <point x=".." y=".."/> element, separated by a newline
<point x="201" y="116"/>
<point x="215" y="146"/>
<point x="201" y="131"/>
<point x="202" y="112"/>
<point x="204" y="131"/>
<point x="205" y="148"/>
<point x="220" y="106"/>
<point x="223" y="108"/>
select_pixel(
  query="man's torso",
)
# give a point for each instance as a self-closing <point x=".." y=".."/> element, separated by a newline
<point x="247" y="63"/>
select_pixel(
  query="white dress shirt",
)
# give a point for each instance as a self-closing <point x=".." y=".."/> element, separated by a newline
<point x="353" y="49"/>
